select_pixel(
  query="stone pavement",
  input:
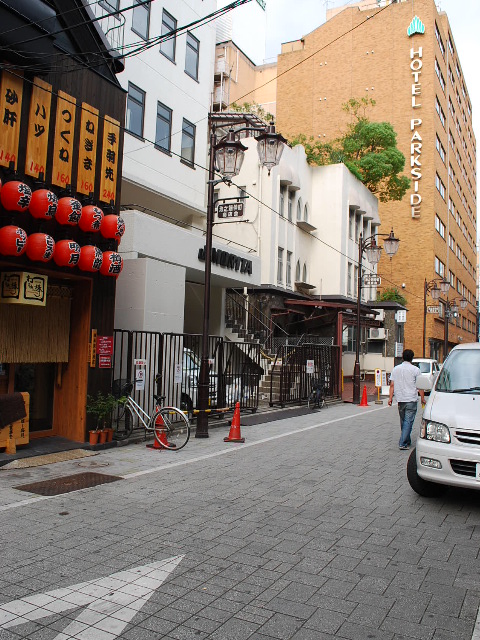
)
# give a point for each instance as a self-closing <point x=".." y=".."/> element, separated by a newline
<point x="308" y="531"/>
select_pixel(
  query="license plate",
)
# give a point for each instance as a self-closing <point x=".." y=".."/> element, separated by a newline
<point x="477" y="474"/>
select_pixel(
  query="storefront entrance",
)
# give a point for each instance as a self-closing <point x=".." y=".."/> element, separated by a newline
<point x="38" y="381"/>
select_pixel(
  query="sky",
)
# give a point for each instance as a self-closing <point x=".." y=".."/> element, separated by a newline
<point x="287" y="20"/>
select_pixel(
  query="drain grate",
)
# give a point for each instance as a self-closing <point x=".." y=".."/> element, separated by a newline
<point x="68" y="483"/>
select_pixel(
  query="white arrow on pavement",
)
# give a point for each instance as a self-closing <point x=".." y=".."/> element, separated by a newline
<point x="111" y="602"/>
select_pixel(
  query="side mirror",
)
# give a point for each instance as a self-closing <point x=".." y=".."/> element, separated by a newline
<point x="423" y="383"/>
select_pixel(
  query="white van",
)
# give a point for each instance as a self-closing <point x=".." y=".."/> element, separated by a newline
<point x="447" y="452"/>
<point x="429" y="369"/>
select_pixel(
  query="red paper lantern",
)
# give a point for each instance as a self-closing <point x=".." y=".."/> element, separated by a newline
<point x="43" y="204"/>
<point x="13" y="240"/>
<point x="91" y="220"/>
<point x="113" y="227"/>
<point x="91" y="258"/>
<point x="67" y="253"/>
<point x="69" y="211"/>
<point x="112" y="264"/>
<point x="15" y="196"/>
<point x="40" y="247"/>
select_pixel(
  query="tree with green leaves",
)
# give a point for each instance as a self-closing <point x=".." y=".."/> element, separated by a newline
<point x="392" y="294"/>
<point x="252" y="107"/>
<point x="368" y="149"/>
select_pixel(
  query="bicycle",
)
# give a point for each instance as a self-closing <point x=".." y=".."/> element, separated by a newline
<point x="170" y="426"/>
<point x="316" y="398"/>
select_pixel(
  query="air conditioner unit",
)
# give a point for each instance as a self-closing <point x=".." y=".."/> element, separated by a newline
<point x="378" y="333"/>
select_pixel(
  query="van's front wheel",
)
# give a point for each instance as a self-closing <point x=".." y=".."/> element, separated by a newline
<point x="419" y="485"/>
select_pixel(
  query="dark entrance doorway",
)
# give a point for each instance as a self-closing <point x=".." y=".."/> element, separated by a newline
<point x="37" y="379"/>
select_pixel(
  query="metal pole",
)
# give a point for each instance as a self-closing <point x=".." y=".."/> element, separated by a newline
<point x="356" y="368"/>
<point x="203" y="382"/>
<point x="445" y="331"/>
<point x="424" y="314"/>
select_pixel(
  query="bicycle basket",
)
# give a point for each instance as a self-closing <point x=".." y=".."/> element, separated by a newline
<point x="121" y="387"/>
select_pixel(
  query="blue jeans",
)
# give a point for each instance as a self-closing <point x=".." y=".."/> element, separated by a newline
<point x="407" y="412"/>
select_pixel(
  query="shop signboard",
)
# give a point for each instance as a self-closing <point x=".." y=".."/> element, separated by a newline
<point x="230" y="209"/>
<point x="38" y="128"/>
<point x="105" y="345"/>
<point x="11" y="93"/>
<point x="108" y="175"/>
<point x="104" y="362"/>
<point x="20" y="287"/>
<point x="87" y="149"/>
<point x="63" y="141"/>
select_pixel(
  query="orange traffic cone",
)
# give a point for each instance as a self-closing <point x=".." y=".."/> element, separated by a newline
<point x="364" y="402"/>
<point x="162" y="436"/>
<point x="234" y="435"/>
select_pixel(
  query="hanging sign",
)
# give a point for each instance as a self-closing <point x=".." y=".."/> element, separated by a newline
<point x="11" y="93"/>
<point x="87" y="149"/>
<point x="108" y="176"/>
<point x="38" y="128"/>
<point x="19" y="287"/>
<point x="63" y="141"/>
<point x="230" y="210"/>
<point x="433" y="309"/>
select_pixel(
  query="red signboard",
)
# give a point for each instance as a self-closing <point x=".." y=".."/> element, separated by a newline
<point x="104" y="362"/>
<point x="105" y="345"/>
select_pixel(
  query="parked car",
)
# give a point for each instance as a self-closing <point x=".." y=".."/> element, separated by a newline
<point x="447" y="452"/>
<point x="429" y="369"/>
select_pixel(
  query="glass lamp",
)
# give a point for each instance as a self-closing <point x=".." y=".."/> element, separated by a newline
<point x="229" y="154"/>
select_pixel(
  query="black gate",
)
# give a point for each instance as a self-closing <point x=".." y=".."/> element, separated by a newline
<point x="168" y="364"/>
<point x="295" y="368"/>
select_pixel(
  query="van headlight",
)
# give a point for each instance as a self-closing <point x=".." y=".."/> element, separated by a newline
<point x="435" y="431"/>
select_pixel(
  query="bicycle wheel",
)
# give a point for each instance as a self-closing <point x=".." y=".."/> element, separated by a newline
<point x="170" y="427"/>
<point x="122" y="422"/>
<point x="312" y="400"/>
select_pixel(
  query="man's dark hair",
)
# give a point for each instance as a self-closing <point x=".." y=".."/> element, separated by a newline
<point x="408" y="355"/>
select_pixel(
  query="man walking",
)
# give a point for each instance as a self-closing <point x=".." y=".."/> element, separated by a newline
<point x="403" y="385"/>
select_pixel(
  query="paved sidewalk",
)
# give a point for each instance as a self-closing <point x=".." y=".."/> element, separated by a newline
<point x="308" y="531"/>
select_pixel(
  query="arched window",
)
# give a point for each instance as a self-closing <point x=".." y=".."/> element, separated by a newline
<point x="297" y="272"/>
<point x="304" y="279"/>
<point x="299" y="209"/>
<point x="305" y="213"/>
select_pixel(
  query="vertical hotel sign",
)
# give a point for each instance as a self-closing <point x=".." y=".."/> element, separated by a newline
<point x="87" y="149"/>
<point x="11" y="88"/>
<point x="38" y="128"/>
<point x="63" y="141"/>
<point x="108" y="176"/>
<point x="416" y="64"/>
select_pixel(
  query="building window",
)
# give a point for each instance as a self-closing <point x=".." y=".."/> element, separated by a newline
<point x="439" y="267"/>
<point x="451" y="242"/>
<point x="282" y="201"/>
<point x="351" y="223"/>
<point x="135" y="110"/>
<point x="288" y="274"/>
<point x="440" y="112"/>
<point x="299" y="209"/>
<point x="167" y="47"/>
<point x="163" y="131"/>
<point x="297" y="271"/>
<point x="440" y="149"/>
<point x="349" y="278"/>
<point x="191" y="56"/>
<point x="304" y="275"/>
<point x="280" y="266"/>
<point x="440" y="77"/>
<point x="141" y="19"/>
<point x="290" y="206"/>
<point x="355" y="282"/>
<point x="439" y="226"/>
<point x="439" y="40"/>
<point x="440" y="186"/>
<point x="305" y="216"/>
<point x="188" y="143"/>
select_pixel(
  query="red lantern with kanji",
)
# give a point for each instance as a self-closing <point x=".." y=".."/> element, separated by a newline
<point x="113" y="227"/>
<point x="43" y="204"/>
<point x="91" y="219"/>
<point x="15" y="196"/>
<point x="69" y="211"/>
<point x="91" y="258"/>
<point x="112" y="264"/>
<point x="67" y="253"/>
<point x="40" y="247"/>
<point x="13" y="241"/>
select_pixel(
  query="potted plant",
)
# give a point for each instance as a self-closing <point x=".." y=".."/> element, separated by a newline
<point x="101" y="406"/>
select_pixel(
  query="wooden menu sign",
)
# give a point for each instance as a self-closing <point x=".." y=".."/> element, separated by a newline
<point x="63" y="142"/>
<point x="38" y="128"/>
<point x="11" y="93"/>
<point x="87" y="149"/>
<point x="108" y="177"/>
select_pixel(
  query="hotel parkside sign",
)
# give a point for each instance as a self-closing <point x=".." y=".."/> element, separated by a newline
<point x="416" y="64"/>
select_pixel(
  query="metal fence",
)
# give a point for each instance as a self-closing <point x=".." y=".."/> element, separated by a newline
<point x="296" y="366"/>
<point x="168" y="364"/>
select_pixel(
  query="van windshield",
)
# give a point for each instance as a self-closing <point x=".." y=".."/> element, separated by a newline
<point x="423" y="366"/>
<point x="461" y="372"/>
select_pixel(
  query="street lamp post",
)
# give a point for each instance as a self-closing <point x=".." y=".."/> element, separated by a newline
<point x="435" y="290"/>
<point x="373" y="251"/>
<point x="226" y="157"/>
<point x="451" y="311"/>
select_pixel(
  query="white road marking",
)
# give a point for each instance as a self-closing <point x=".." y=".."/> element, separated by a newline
<point x="476" y="631"/>
<point x="108" y="603"/>
<point x="169" y="465"/>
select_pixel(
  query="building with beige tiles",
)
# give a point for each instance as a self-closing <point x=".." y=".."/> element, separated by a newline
<point x="403" y="55"/>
